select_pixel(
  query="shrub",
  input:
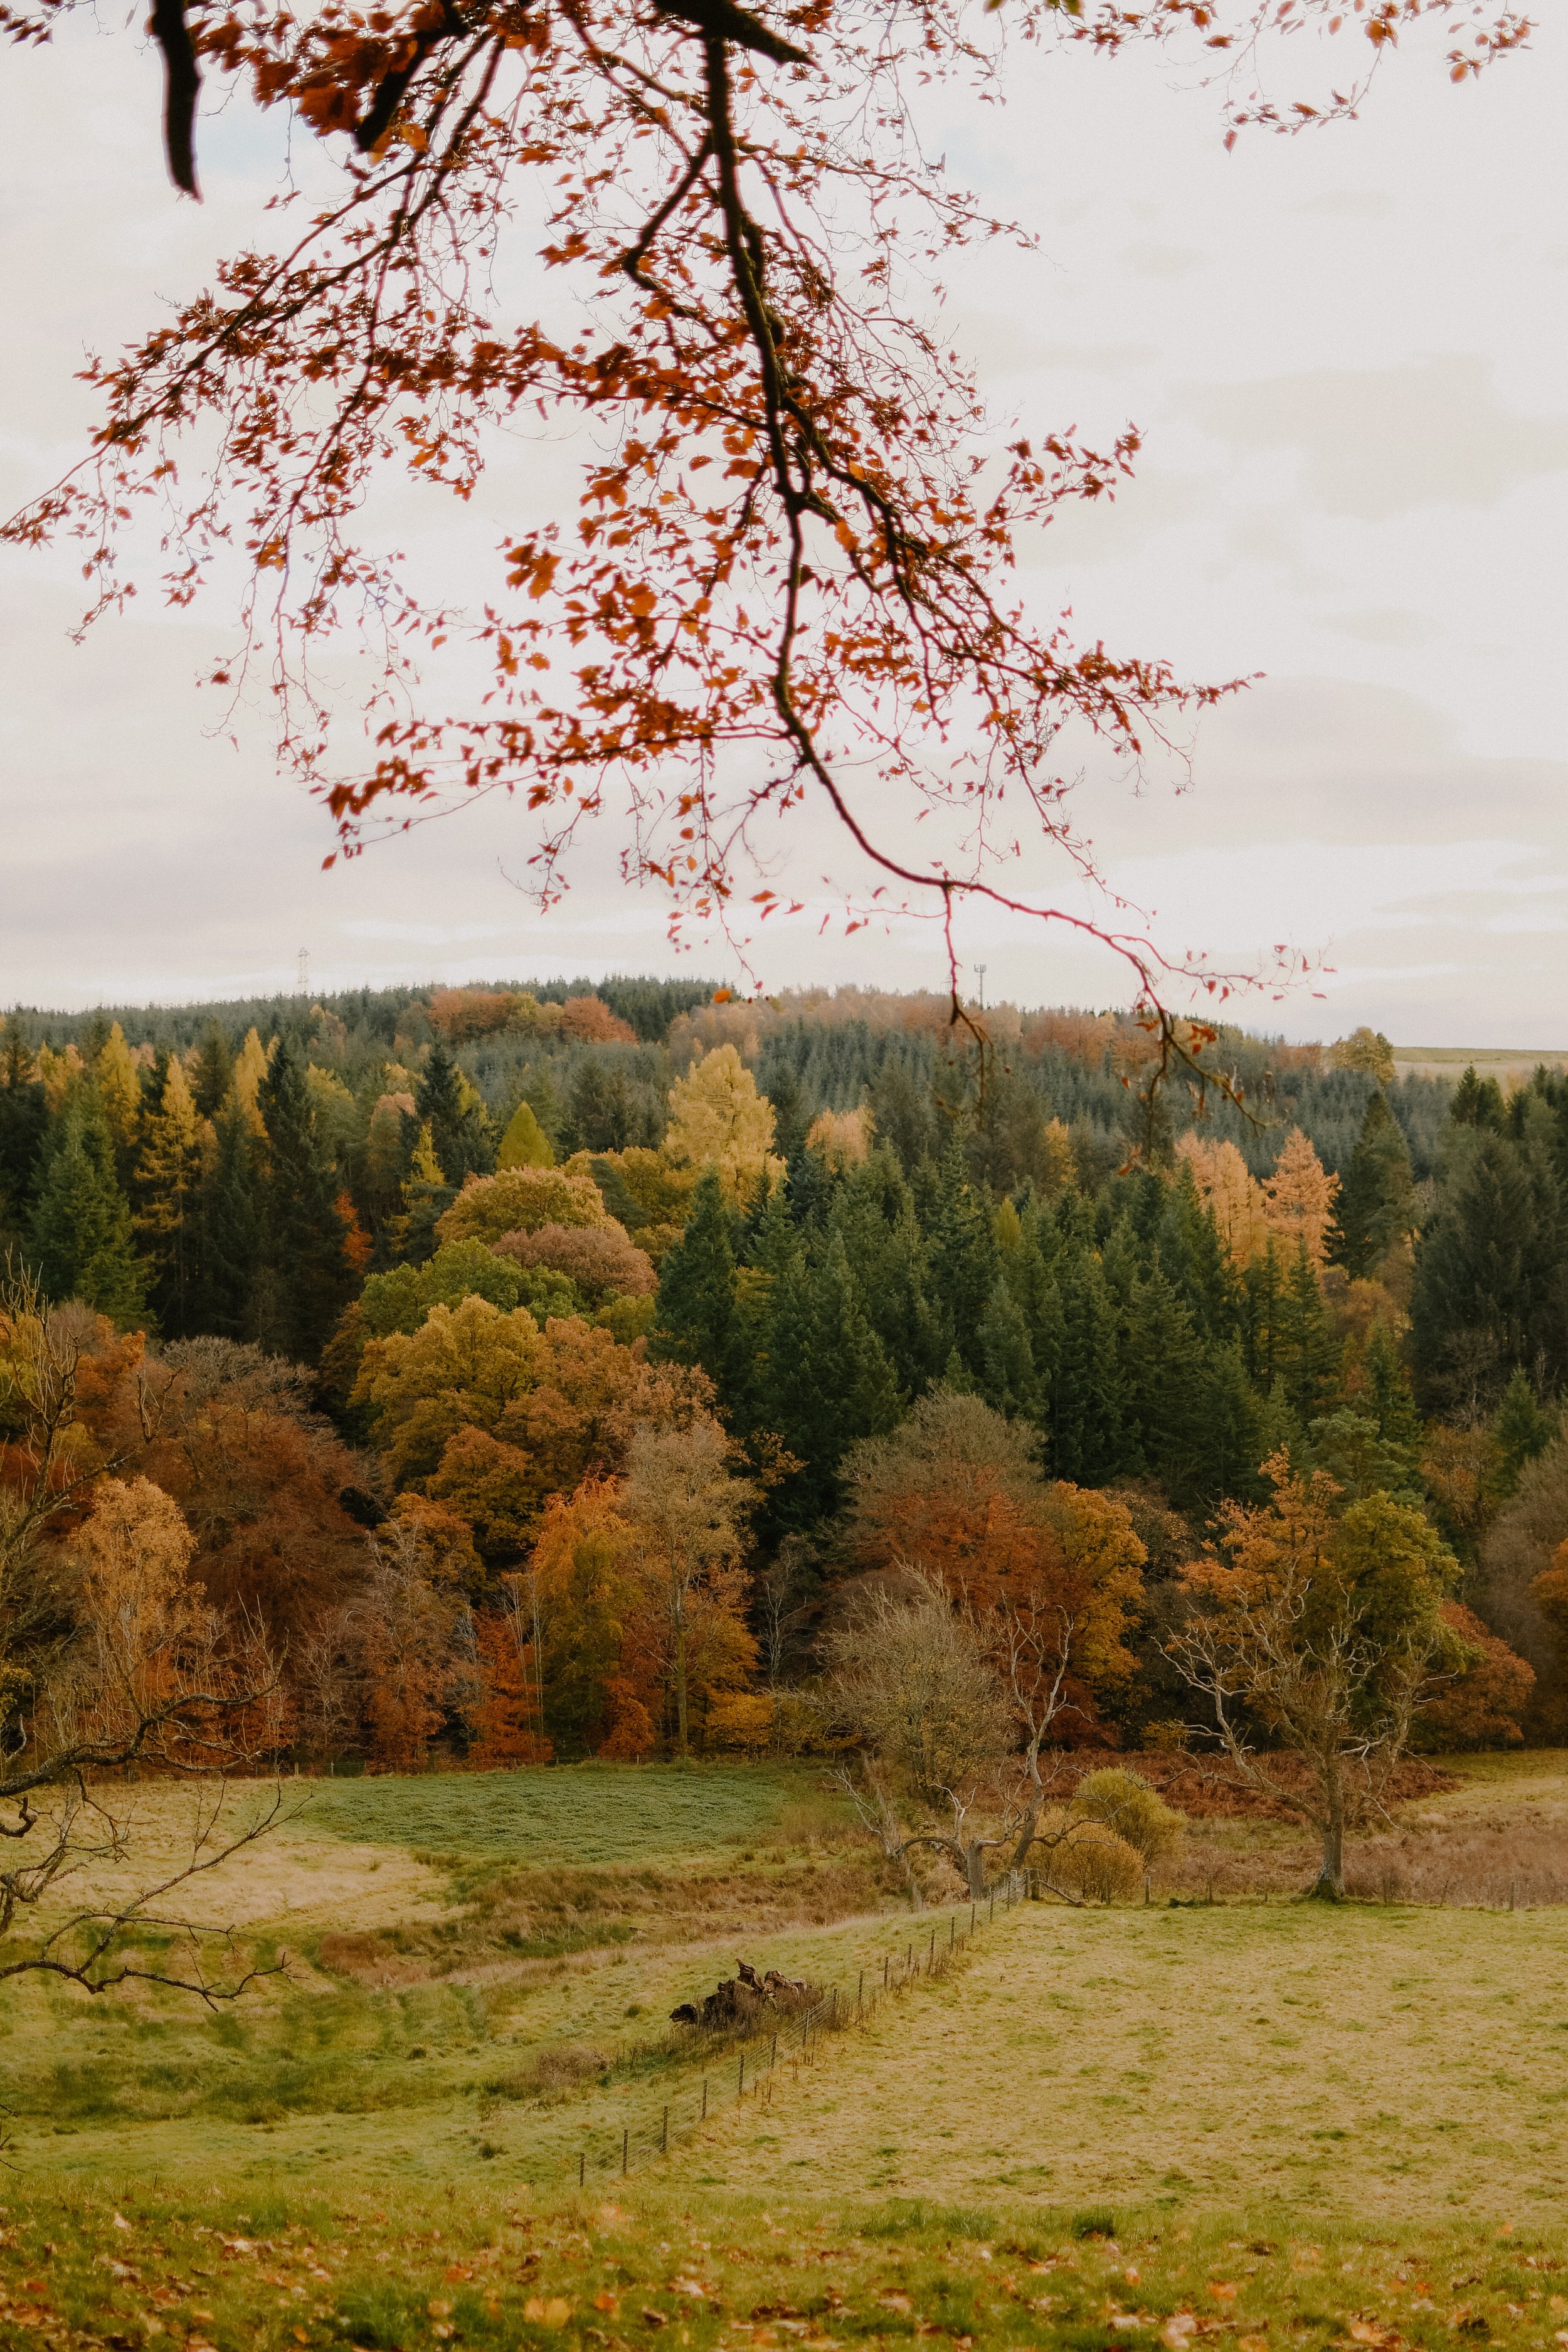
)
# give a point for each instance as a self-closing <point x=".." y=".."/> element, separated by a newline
<point x="741" y="1719"/>
<point x="1086" y="1861"/>
<point x="1126" y="1803"/>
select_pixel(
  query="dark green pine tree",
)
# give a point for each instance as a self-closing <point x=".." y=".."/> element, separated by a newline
<point x="1008" y="1381"/>
<point x="827" y="1380"/>
<point x="1263" y="1312"/>
<point x="229" y="1232"/>
<point x="1196" y="1259"/>
<point x="1084" y="1420"/>
<point x="962" y="1257"/>
<point x="303" y="1279"/>
<point x="1523" y="1428"/>
<point x="874" y="1213"/>
<point x="1377" y="1204"/>
<point x="791" y="1117"/>
<point x="24" y="1124"/>
<point x="1235" y="1432"/>
<point x="81" y="1242"/>
<point x="1162" y="1382"/>
<point x="699" y="1319"/>
<point x="212" y="1073"/>
<point x="1477" y="1102"/>
<point x="461" y="1139"/>
<point x="1308" y="1364"/>
<point x="1390" y="1403"/>
<point x="1485" y="1282"/>
<point x="1031" y="1280"/>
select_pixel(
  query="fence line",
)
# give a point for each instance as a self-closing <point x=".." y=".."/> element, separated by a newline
<point x="751" y="2063"/>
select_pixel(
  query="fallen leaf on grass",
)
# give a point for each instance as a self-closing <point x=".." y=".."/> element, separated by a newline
<point x="1223" y="2290"/>
<point x="892" y="2298"/>
<point x="605" y="2301"/>
<point x="654" y="2316"/>
<point x="441" y="2309"/>
<point x="548" y="2311"/>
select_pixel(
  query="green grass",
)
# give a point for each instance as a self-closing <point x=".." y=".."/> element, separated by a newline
<point x="319" y="2266"/>
<point x="584" y="1814"/>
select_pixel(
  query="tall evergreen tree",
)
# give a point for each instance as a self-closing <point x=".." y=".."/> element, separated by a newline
<point x="81" y="1223"/>
<point x="699" y="1319"/>
<point x="1488" y="1289"/>
<point x="962" y="1256"/>
<point x="1161" y="1385"/>
<point x="1008" y="1381"/>
<point x="24" y="1124"/>
<point x="460" y="1127"/>
<point x="828" y="1381"/>
<point x="1085" y="1421"/>
<point x="1391" y="1403"/>
<point x="229" y="1255"/>
<point x="1308" y="1363"/>
<point x="304" y="1275"/>
<point x="1377" y="1203"/>
<point x="212" y="1073"/>
<point x="168" y="1183"/>
<point x="1523" y="1428"/>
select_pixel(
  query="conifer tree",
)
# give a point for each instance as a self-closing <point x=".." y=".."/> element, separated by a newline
<point x="303" y="1273"/>
<point x="962" y="1256"/>
<point x="1299" y="1199"/>
<point x="458" y="1124"/>
<point x="1377" y="1207"/>
<point x="24" y="1124"/>
<point x="1161" y="1385"/>
<point x="81" y="1224"/>
<point x="524" y="1144"/>
<point x="1084" y="1412"/>
<point x="230" y="1247"/>
<point x="699" y="1319"/>
<point x="1477" y="1102"/>
<point x="873" y="1211"/>
<point x="250" y="1067"/>
<point x="426" y="1197"/>
<point x="212" y="1072"/>
<point x="118" y="1078"/>
<point x="1393" y="1406"/>
<point x="1308" y="1359"/>
<point x="1008" y="1381"/>
<point x="828" y="1378"/>
<point x="168" y="1179"/>
<point x="1485" y="1271"/>
<point x="1523" y="1428"/>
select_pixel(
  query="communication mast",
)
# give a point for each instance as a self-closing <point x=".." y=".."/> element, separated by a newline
<point x="302" y="980"/>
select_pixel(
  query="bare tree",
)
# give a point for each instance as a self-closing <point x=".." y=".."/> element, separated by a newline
<point x="911" y="1677"/>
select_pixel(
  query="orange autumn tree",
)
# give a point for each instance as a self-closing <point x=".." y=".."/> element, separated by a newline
<point x="1050" y="1572"/>
<point x="599" y="1682"/>
<point x="790" y="575"/>
<point x="506" y="1714"/>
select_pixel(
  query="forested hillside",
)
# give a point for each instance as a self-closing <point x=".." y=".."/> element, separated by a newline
<point x="542" y="1369"/>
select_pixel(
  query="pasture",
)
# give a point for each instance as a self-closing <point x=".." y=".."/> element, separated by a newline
<point x="1308" y="2121"/>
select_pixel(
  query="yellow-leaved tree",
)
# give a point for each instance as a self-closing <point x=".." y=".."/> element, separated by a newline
<point x="1299" y="1199"/>
<point x="1230" y="1193"/>
<point x="719" y="1120"/>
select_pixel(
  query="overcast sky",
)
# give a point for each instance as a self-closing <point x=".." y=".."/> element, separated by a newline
<point x="1346" y="352"/>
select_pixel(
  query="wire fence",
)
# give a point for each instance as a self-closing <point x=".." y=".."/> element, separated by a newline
<point x="746" y="2067"/>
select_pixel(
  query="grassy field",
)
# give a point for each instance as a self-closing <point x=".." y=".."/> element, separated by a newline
<point x="1305" y="2127"/>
